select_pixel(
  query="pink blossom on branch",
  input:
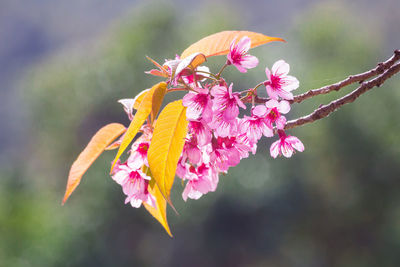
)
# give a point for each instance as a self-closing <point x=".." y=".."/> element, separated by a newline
<point x="134" y="185"/>
<point x="130" y="175"/>
<point x="226" y="109"/>
<point x="200" y="180"/>
<point x="279" y="83"/>
<point x="274" y="111"/>
<point x="200" y="131"/>
<point x="199" y="105"/>
<point x="238" y="55"/>
<point x="286" y="145"/>
<point x="255" y="126"/>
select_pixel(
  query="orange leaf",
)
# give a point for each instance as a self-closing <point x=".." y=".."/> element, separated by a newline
<point x="162" y="71"/>
<point x="96" y="146"/>
<point x="166" y="145"/>
<point x="160" y="212"/>
<point x="144" y="110"/>
<point x="219" y="43"/>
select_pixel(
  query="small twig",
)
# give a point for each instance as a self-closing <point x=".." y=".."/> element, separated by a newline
<point x="379" y="69"/>
<point x="325" y="110"/>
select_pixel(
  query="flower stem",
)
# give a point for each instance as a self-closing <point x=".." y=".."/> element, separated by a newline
<point x="258" y="85"/>
<point x="206" y="72"/>
<point x="221" y="70"/>
<point x="177" y="89"/>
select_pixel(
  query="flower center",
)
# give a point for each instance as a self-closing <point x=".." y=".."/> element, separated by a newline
<point x="142" y="148"/>
<point x="192" y="169"/>
<point x="134" y="176"/>
<point x="275" y="81"/>
<point x="226" y="142"/>
<point x="274" y="114"/>
<point x="201" y="99"/>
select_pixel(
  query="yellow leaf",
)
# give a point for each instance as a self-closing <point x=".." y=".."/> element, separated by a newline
<point x="158" y="97"/>
<point x="219" y="43"/>
<point x="160" y="212"/>
<point x="96" y="146"/>
<point x="144" y="110"/>
<point x="166" y="145"/>
<point x="138" y="98"/>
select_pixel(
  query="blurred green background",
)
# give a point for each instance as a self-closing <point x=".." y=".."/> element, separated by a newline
<point x="64" y="65"/>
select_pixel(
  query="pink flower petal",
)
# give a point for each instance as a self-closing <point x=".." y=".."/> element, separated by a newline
<point x="286" y="149"/>
<point x="284" y="107"/>
<point x="244" y="44"/>
<point x="280" y="68"/>
<point x="290" y="83"/>
<point x="273" y="94"/>
<point x="280" y="122"/>
<point x="272" y="103"/>
<point x="274" y="149"/>
<point x="259" y="110"/>
<point x="296" y="143"/>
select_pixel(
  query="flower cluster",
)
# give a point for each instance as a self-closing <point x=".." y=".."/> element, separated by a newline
<point x="131" y="174"/>
<point x="217" y="137"/>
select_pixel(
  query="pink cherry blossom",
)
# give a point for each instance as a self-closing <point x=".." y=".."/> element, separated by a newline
<point x="286" y="145"/>
<point x="134" y="184"/>
<point x="226" y="102"/>
<point x="201" y="180"/>
<point x="226" y="109"/>
<point x="138" y="156"/>
<point x="223" y="127"/>
<point x="191" y="151"/>
<point x="238" y="55"/>
<point x="256" y="126"/>
<point x="199" y="105"/>
<point x="244" y="139"/>
<point x="136" y="189"/>
<point x="201" y="131"/>
<point x="279" y="84"/>
<point x="228" y="151"/>
<point x="274" y="111"/>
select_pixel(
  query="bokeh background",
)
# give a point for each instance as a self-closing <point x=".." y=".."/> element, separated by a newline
<point x="64" y="65"/>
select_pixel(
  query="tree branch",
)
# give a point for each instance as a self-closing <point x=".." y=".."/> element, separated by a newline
<point x="379" y="69"/>
<point x="325" y="110"/>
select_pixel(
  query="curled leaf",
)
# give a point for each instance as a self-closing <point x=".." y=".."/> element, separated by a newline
<point x="219" y="43"/>
<point x="96" y="146"/>
<point x="191" y="61"/>
<point x="166" y="145"/>
<point x="128" y="104"/>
